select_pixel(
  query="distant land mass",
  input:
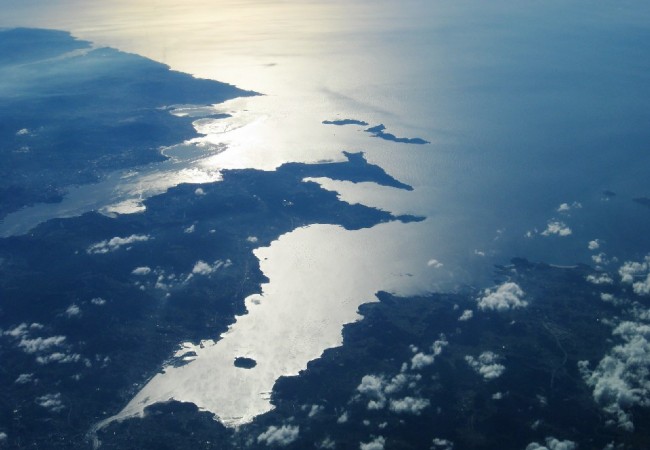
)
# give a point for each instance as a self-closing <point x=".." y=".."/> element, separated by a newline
<point x="72" y="113"/>
<point x="345" y="122"/>
<point x="378" y="131"/>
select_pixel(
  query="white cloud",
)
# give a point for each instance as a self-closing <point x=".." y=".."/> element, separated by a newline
<point x="24" y="378"/>
<point x="441" y="444"/>
<point x="594" y="245"/>
<point x="61" y="358"/>
<point x="98" y="301"/>
<point x="116" y="243"/>
<point x="552" y="444"/>
<point x="408" y="405"/>
<point x="199" y="191"/>
<point x="486" y="365"/>
<point x="373" y="387"/>
<point x="631" y="270"/>
<point x="637" y="274"/>
<point x="497" y="396"/>
<point x="315" y="409"/>
<point x="142" y="270"/>
<point x="190" y="229"/>
<point x="376" y="444"/>
<point x="73" y="311"/>
<point x="252" y="239"/>
<point x="327" y="443"/>
<point x="342" y="418"/>
<point x="566" y="207"/>
<point x="281" y="437"/>
<point x="609" y="298"/>
<point x="422" y="359"/>
<point x="203" y="268"/>
<point x="40" y="344"/>
<point x="557" y="228"/>
<point x="504" y="297"/>
<point x="642" y="287"/>
<point x="397" y="383"/>
<point x="434" y="263"/>
<point x="52" y="402"/>
<point x="18" y="331"/>
<point x="466" y="315"/>
<point x="602" y="278"/>
<point x="22" y="132"/>
<point x="622" y="378"/>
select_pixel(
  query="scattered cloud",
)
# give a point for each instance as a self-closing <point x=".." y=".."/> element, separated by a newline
<point x="116" y="243"/>
<point x="435" y="263"/>
<point x="18" y="331"/>
<point x="203" y="268"/>
<point x="376" y="444"/>
<point x="98" y="301"/>
<point x="3" y="437"/>
<point x="22" y="132"/>
<point x="504" y="297"/>
<point x="556" y="228"/>
<point x="566" y="207"/>
<point x="25" y="378"/>
<point x="190" y="229"/>
<point x="408" y="405"/>
<point x="142" y="270"/>
<point x="282" y="436"/>
<point x="442" y="444"/>
<point x="252" y="239"/>
<point x="552" y="444"/>
<point x="51" y="402"/>
<point x="600" y="258"/>
<point x="40" y="344"/>
<point x="422" y="359"/>
<point x="497" y="396"/>
<point x="342" y="418"/>
<point x="377" y="388"/>
<point x="58" y="357"/>
<point x="73" y="311"/>
<point x="466" y="315"/>
<point x="314" y="410"/>
<point x="594" y="245"/>
<point x="372" y="386"/>
<point x="486" y="365"/>
<point x="601" y="278"/>
<point x="199" y="191"/>
<point x="327" y="443"/>
<point x="622" y="378"/>
<point x="637" y="274"/>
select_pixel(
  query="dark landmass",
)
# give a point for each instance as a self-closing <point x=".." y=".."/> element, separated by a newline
<point x="379" y="132"/>
<point x="69" y="118"/>
<point x="608" y="193"/>
<point x="542" y="392"/>
<point x="355" y="169"/>
<point x="345" y="122"/>
<point x="125" y="324"/>
<point x="643" y="201"/>
<point x="245" y="363"/>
